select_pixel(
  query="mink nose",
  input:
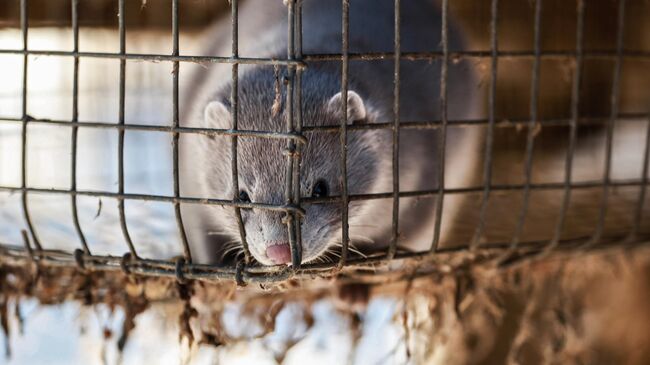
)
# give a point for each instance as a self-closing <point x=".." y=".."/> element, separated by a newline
<point x="279" y="252"/>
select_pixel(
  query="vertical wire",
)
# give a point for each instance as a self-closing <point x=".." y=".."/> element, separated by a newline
<point x="343" y="133"/>
<point x="638" y="214"/>
<point x="234" y="107"/>
<point x="25" y="118"/>
<point x="614" y="100"/>
<point x="442" y="141"/>
<point x="175" y="123"/>
<point x="75" y="117"/>
<point x="532" y="123"/>
<point x="298" y="120"/>
<point x="291" y="218"/>
<point x="120" y="149"/>
<point x="575" y="104"/>
<point x="489" y="138"/>
<point x="392" y="248"/>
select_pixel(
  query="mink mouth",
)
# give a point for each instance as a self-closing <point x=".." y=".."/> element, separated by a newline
<point x="279" y="252"/>
<point x="262" y="256"/>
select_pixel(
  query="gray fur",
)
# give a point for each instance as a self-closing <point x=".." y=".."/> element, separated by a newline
<point x="262" y="166"/>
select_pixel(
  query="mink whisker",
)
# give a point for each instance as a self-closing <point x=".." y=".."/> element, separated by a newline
<point x="362" y="238"/>
<point x="217" y="233"/>
<point x="352" y="248"/>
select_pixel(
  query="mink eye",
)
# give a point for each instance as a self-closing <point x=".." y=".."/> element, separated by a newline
<point x="320" y="189"/>
<point x="243" y="197"/>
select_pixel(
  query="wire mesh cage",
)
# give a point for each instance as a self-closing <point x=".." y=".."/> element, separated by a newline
<point x="551" y="103"/>
<point x="296" y="134"/>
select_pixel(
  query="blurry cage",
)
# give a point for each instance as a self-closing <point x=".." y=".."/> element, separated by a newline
<point x="296" y="63"/>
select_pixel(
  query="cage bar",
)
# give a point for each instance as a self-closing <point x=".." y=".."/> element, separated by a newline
<point x="478" y="55"/>
<point x="297" y="110"/>
<point x="155" y="57"/>
<point x="614" y="101"/>
<point x="261" y="274"/>
<point x="293" y="158"/>
<point x="343" y="130"/>
<point x="442" y="140"/>
<point x="575" y="112"/>
<point x="489" y="136"/>
<point x="323" y="200"/>
<point x="234" y="108"/>
<point x="532" y="124"/>
<point x="370" y="56"/>
<point x="392" y="248"/>
<point x="159" y="198"/>
<point x="175" y="136"/>
<point x="120" y="140"/>
<point x="24" y="27"/>
<point x="75" y="128"/>
<point x="299" y="138"/>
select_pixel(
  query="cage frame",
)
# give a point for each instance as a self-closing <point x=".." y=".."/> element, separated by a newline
<point x="296" y="64"/>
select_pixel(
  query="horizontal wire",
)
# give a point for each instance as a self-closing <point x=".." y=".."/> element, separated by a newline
<point x="156" y="57"/>
<point x="373" y="56"/>
<point x="323" y="200"/>
<point x="209" y="132"/>
<point x="415" y="56"/>
<point x="159" y="198"/>
<point x="502" y="123"/>
<point x="267" y="274"/>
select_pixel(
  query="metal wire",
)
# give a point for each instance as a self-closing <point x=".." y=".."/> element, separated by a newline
<point x="156" y="57"/>
<point x="343" y="137"/>
<point x="503" y="123"/>
<point x="392" y="248"/>
<point x="175" y="137"/>
<point x="505" y="55"/>
<point x="297" y="110"/>
<point x="120" y="135"/>
<point x="324" y="200"/>
<point x="75" y="129"/>
<point x="293" y="158"/>
<point x="259" y="274"/>
<point x="369" y="56"/>
<point x="575" y="103"/>
<point x="25" y="120"/>
<point x="532" y="124"/>
<point x="489" y="136"/>
<point x="614" y="101"/>
<point x="296" y="63"/>
<point x="442" y="139"/>
<point x="234" y="115"/>
<point x="159" y="198"/>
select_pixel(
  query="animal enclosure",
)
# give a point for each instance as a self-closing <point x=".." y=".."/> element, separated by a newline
<point x="538" y="254"/>
<point x="621" y="73"/>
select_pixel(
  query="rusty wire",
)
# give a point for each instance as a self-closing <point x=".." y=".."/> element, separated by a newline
<point x="296" y="64"/>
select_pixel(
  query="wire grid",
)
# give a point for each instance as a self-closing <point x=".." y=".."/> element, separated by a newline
<point x="296" y="63"/>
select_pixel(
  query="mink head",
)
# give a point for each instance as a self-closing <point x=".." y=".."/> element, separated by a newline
<point x="262" y="162"/>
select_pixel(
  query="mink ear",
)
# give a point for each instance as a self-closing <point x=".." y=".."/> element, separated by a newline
<point x="356" y="108"/>
<point x="217" y="115"/>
